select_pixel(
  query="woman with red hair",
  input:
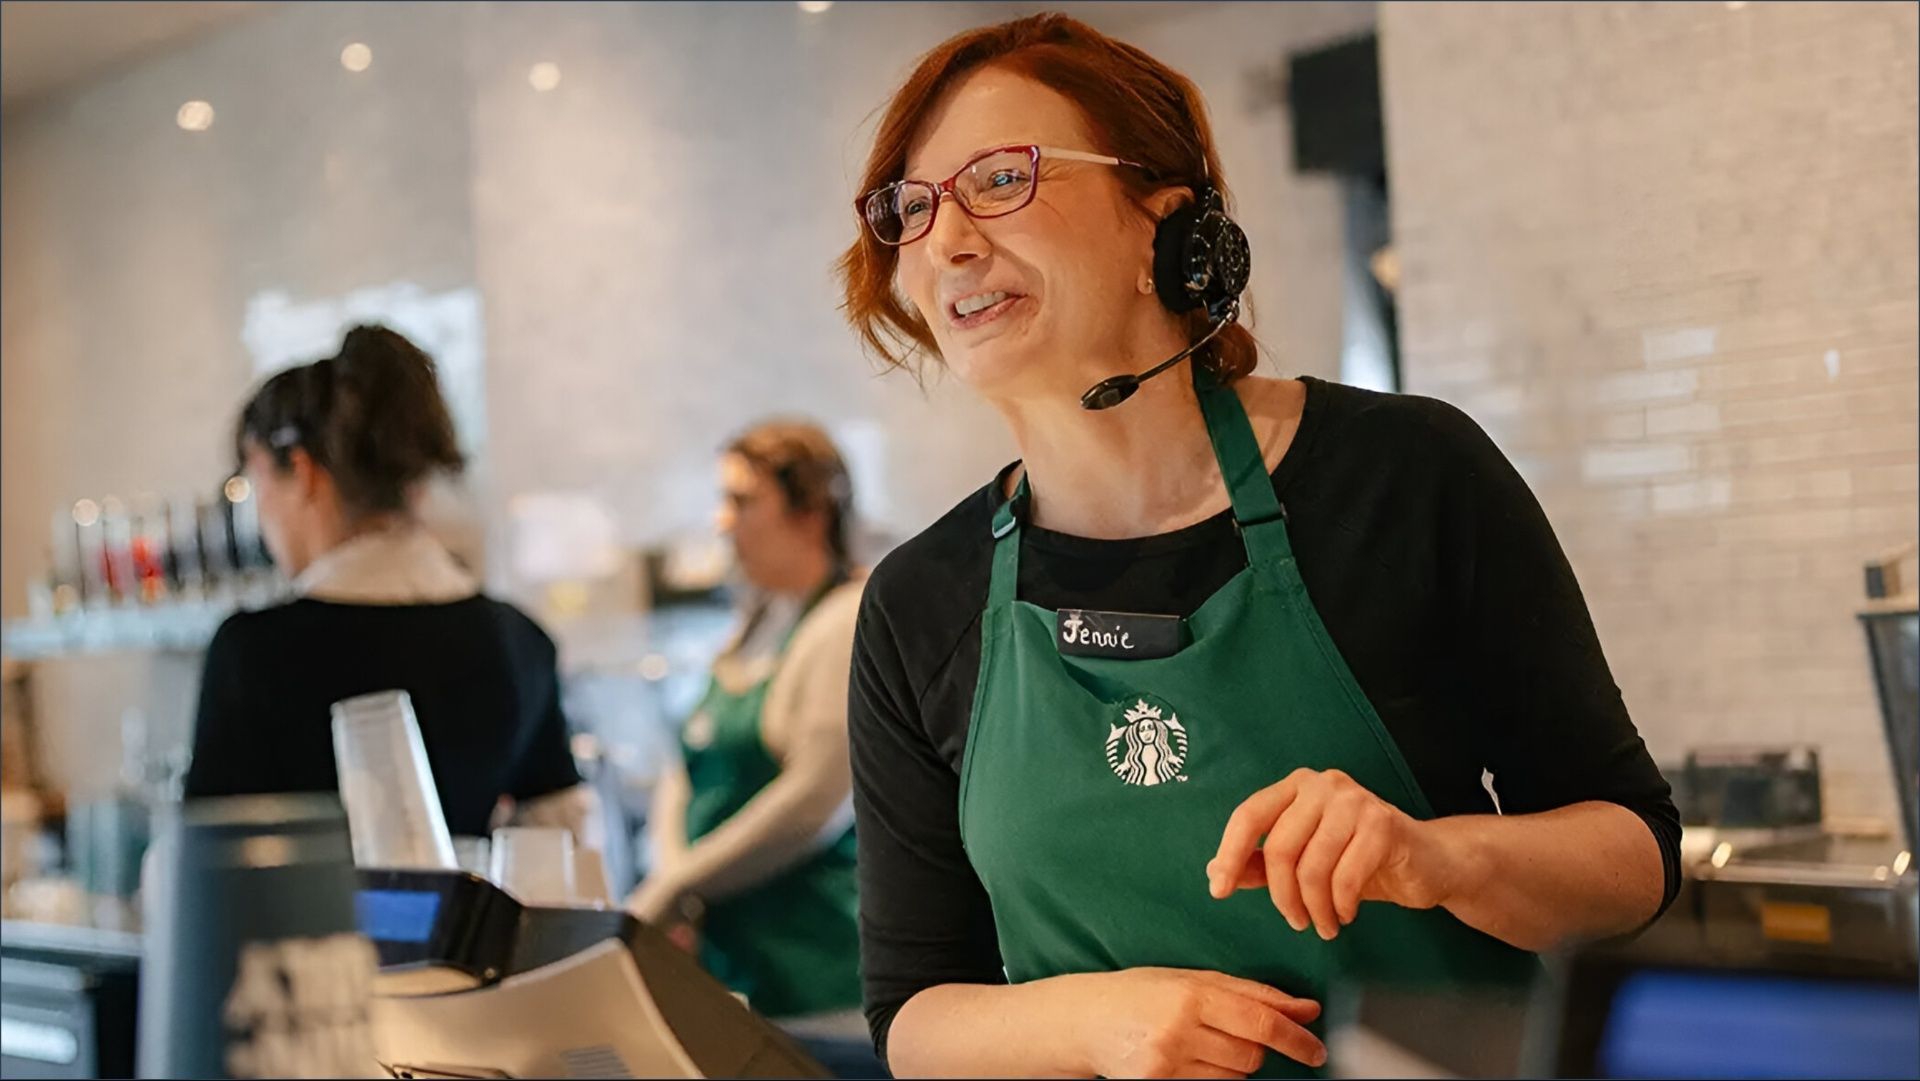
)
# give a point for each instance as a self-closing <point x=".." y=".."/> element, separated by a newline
<point x="1232" y="686"/>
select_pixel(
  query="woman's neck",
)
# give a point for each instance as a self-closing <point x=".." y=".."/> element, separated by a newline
<point x="1140" y="468"/>
<point x="336" y="530"/>
<point x="813" y="569"/>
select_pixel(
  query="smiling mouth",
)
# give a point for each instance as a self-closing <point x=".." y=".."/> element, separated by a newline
<point x="981" y="308"/>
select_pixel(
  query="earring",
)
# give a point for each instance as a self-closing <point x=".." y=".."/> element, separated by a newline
<point x="1145" y="285"/>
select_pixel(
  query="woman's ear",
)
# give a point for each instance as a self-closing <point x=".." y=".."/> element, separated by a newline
<point x="307" y="474"/>
<point x="1167" y="200"/>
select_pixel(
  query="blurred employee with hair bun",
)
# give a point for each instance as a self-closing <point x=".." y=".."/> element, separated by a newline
<point x="338" y="452"/>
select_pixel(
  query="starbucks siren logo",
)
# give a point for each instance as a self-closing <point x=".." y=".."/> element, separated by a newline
<point x="1148" y="749"/>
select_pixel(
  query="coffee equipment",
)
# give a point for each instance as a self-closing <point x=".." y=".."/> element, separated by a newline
<point x="253" y="966"/>
<point x="475" y="984"/>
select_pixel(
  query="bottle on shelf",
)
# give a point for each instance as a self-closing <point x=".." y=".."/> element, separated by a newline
<point x="185" y="567"/>
<point x="64" y="575"/>
<point x="90" y="543"/>
<point x="149" y="552"/>
<point x="123" y="588"/>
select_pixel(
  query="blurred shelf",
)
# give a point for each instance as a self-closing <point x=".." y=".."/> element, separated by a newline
<point x="655" y="645"/>
<point x="184" y="627"/>
<point x="69" y="938"/>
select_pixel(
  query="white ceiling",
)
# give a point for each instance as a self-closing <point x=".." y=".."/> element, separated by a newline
<point x="49" y="45"/>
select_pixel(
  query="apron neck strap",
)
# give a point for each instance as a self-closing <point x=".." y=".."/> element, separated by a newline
<point x="837" y="578"/>
<point x="1257" y="512"/>
<point x="1004" y="584"/>
<point x="1242" y="465"/>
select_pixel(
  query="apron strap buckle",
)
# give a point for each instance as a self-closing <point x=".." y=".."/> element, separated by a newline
<point x="1013" y="511"/>
<point x="1280" y="515"/>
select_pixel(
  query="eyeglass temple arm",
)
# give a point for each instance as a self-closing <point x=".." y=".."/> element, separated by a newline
<point x="1082" y="155"/>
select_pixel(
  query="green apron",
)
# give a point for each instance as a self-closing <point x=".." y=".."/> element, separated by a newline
<point x="790" y="945"/>
<point x="1094" y="790"/>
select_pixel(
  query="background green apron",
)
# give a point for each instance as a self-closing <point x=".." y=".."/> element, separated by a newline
<point x="1095" y="790"/>
<point x="791" y="944"/>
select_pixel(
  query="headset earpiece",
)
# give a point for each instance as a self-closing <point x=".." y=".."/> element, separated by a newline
<point x="1200" y="257"/>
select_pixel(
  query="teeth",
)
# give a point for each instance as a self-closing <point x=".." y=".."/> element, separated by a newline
<point x="978" y="303"/>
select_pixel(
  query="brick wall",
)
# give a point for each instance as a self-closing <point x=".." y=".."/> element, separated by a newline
<point x="1665" y="253"/>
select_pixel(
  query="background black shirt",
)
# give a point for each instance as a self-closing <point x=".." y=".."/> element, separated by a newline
<point x="1428" y="559"/>
<point x="481" y="676"/>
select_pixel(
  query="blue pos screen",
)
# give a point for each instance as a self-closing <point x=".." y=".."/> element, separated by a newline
<point x="396" y="915"/>
<point x="1690" y="1024"/>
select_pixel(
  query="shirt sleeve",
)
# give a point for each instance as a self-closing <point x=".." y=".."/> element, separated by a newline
<point x="925" y="919"/>
<point x="806" y="806"/>
<point x="1557" y="731"/>
<point x="807" y="698"/>
<point x="227" y="750"/>
<point x="546" y="763"/>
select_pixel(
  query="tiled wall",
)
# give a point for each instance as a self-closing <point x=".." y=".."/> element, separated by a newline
<point x="653" y="243"/>
<point x="649" y="241"/>
<point x="1665" y="253"/>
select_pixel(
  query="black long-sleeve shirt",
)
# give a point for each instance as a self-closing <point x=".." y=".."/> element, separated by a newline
<point x="481" y="676"/>
<point x="1428" y="559"/>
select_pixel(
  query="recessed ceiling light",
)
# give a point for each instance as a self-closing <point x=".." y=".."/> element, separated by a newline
<point x="356" y="57"/>
<point x="194" y="116"/>
<point x="544" y="76"/>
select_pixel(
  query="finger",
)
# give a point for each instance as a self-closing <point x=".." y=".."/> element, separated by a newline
<point x="1298" y="1009"/>
<point x="1245" y="827"/>
<point x="1284" y="844"/>
<point x="1317" y="861"/>
<point x="1253" y="1020"/>
<point x="1216" y="1048"/>
<point x="1253" y="873"/>
<point x="1356" y="869"/>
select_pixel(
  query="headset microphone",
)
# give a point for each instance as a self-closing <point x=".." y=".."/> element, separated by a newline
<point x="1108" y="393"/>
<point x="1200" y="259"/>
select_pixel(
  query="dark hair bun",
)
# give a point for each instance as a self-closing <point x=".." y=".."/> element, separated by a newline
<point x="372" y="414"/>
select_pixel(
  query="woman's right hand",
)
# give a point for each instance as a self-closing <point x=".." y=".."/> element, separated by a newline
<point x="1174" y="1022"/>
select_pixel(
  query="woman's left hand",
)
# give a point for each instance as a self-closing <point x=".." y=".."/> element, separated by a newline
<point x="1320" y="844"/>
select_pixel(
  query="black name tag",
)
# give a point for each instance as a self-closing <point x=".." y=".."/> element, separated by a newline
<point x="1123" y="635"/>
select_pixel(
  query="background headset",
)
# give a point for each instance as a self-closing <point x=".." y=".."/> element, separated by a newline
<point x="1200" y="260"/>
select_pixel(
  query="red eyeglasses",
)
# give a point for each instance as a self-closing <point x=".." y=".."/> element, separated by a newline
<point x="994" y="184"/>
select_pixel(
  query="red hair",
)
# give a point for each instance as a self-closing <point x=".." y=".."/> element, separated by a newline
<point x="1135" y="107"/>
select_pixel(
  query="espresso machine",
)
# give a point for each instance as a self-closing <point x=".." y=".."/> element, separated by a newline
<point x="1772" y="882"/>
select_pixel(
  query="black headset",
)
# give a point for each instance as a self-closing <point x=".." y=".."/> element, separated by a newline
<point x="1200" y="260"/>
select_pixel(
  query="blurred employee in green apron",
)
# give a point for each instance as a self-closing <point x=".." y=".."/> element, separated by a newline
<point x="754" y="840"/>
<point x="1234" y="687"/>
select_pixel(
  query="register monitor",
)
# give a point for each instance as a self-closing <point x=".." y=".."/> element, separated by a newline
<point x="1641" y="1010"/>
<point x="1893" y="643"/>
<point x="1613" y="1015"/>
<point x="474" y="984"/>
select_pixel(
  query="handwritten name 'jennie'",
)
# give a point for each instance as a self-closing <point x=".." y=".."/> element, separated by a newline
<point x="1075" y="632"/>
